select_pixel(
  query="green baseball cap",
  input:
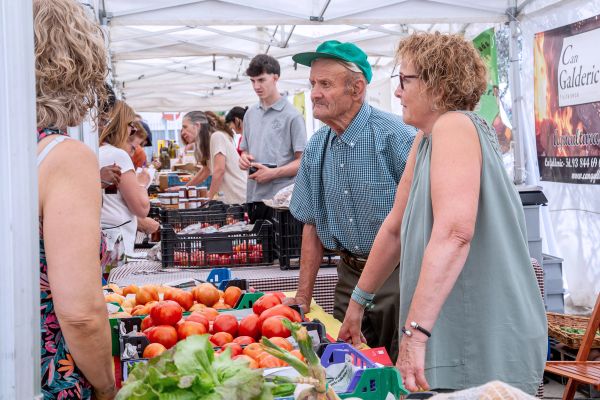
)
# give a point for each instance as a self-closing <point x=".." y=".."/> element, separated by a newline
<point x="341" y="51"/>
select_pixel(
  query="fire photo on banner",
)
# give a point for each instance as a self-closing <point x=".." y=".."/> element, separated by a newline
<point x="567" y="102"/>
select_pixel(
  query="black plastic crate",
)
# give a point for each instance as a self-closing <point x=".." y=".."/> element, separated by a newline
<point x="211" y="214"/>
<point x="209" y="250"/>
<point x="288" y="239"/>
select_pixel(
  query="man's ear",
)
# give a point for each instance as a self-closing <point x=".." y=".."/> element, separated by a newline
<point x="359" y="87"/>
<point x="275" y="77"/>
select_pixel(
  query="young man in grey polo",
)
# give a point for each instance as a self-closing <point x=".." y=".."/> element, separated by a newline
<point x="273" y="140"/>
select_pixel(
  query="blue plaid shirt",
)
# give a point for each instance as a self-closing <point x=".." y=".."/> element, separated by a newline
<point x="346" y="184"/>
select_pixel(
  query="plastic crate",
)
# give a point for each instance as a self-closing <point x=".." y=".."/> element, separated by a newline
<point x="553" y="275"/>
<point x="287" y="231"/>
<point x="555" y="302"/>
<point x="209" y="250"/>
<point x="532" y="221"/>
<point x="214" y="214"/>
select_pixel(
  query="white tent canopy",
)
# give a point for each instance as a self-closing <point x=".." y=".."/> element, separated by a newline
<point x="178" y="55"/>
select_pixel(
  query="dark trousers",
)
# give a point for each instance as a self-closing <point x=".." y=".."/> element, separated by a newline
<point x="380" y="324"/>
<point x="259" y="210"/>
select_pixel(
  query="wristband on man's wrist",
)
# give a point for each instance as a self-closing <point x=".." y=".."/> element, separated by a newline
<point x="364" y="299"/>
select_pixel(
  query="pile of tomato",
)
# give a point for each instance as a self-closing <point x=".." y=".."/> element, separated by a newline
<point x="166" y="325"/>
<point x="245" y="253"/>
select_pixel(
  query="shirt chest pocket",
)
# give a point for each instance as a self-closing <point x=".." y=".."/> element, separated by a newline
<point x="378" y="199"/>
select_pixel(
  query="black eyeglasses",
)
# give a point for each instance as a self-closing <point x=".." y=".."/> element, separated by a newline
<point x="403" y="77"/>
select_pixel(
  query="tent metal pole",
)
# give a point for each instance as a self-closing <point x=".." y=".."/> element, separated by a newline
<point x="19" y="240"/>
<point x="517" y="97"/>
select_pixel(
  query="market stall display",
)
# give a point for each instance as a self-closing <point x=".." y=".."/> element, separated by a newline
<point x="262" y="278"/>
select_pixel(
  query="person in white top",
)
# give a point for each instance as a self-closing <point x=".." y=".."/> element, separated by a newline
<point x="216" y="153"/>
<point x="122" y="207"/>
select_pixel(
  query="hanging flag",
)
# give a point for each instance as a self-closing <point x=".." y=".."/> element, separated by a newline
<point x="489" y="104"/>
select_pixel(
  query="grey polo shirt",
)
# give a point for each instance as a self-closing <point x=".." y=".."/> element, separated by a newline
<point x="272" y="135"/>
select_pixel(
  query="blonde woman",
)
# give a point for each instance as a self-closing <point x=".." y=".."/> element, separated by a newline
<point x="75" y="334"/>
<point x="121" y="209"/>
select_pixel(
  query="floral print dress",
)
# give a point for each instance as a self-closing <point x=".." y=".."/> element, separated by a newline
<point x="61" y="379"/>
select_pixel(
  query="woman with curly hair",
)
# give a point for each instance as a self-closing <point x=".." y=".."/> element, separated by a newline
<point x="470" y="307"/>
<point x="75" y="335"/>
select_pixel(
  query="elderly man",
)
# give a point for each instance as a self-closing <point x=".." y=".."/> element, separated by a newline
<point x="346" y="184"/>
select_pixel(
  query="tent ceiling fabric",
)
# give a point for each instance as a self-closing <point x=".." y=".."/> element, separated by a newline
<point x="178" y="55"/>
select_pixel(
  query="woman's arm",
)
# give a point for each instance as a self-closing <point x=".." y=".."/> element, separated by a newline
<point x="218" y="173"/>
<point x="200" y="177"/>
<point x="455" y="180"/>
<point x="385" y="253"/>
<point x="70" y="205"/>
<point x="134" y="194"/>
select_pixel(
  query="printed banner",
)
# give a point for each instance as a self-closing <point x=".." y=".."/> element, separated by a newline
<point x="567" y="102"/>
<point x="489" y="104"/>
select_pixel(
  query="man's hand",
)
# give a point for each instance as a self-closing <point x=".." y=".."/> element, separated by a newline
<point x="110" y="175"/>
<point x="300" y="300"/>
<point x="350" y="330"/>
<point x="246" y="160"/>
<point x="263" y="174"/>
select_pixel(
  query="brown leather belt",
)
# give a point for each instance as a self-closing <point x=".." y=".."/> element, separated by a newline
<point x="352" y="260"/>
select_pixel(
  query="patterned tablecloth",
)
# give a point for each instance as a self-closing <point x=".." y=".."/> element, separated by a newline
<point x="266" y="278"/>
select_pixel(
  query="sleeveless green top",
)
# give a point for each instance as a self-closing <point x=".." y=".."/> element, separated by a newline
<point x="493" y="324"/>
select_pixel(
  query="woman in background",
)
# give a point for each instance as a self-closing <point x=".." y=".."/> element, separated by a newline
<point x="75" y="335"/>
<point x="216" y="153"/>
<point x="120" y="210"/>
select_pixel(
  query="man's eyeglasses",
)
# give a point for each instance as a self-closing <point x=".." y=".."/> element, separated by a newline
<point x="134" y="128"/>
<point x="403" y="77"/>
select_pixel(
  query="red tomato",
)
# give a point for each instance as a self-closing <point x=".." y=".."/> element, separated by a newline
<point x="265" y="302"/>
<point x="226" y="323"/>
<point x="221" y="338"/>
<point x="249" y="327"/>
<point x="146" y="323"/>
<point x="280" y="295"/>
<point x="279" y="309"/>
<point x="153" y="350"/>
<point x="200" y="318"/>
<point x="236" y="349"/>
<point x="251" y="361"/>
<point x="206" y="294"/>
<point x="270" y="361"/>
<point x="189" y="328"/>
<point x="281" y="342"/>
<point x="185" y="299"/>
<point x="163" y="334"/>
<point x="253" y="350"/>
<point x="297" y="354"/>
<point x="166" y="313"/>
<point x="244" y="340"/>
<point x="274" y="327"/>
<point x="232" y="295"/>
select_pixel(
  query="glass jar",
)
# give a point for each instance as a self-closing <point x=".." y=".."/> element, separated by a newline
<point x="183" y="204"/>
